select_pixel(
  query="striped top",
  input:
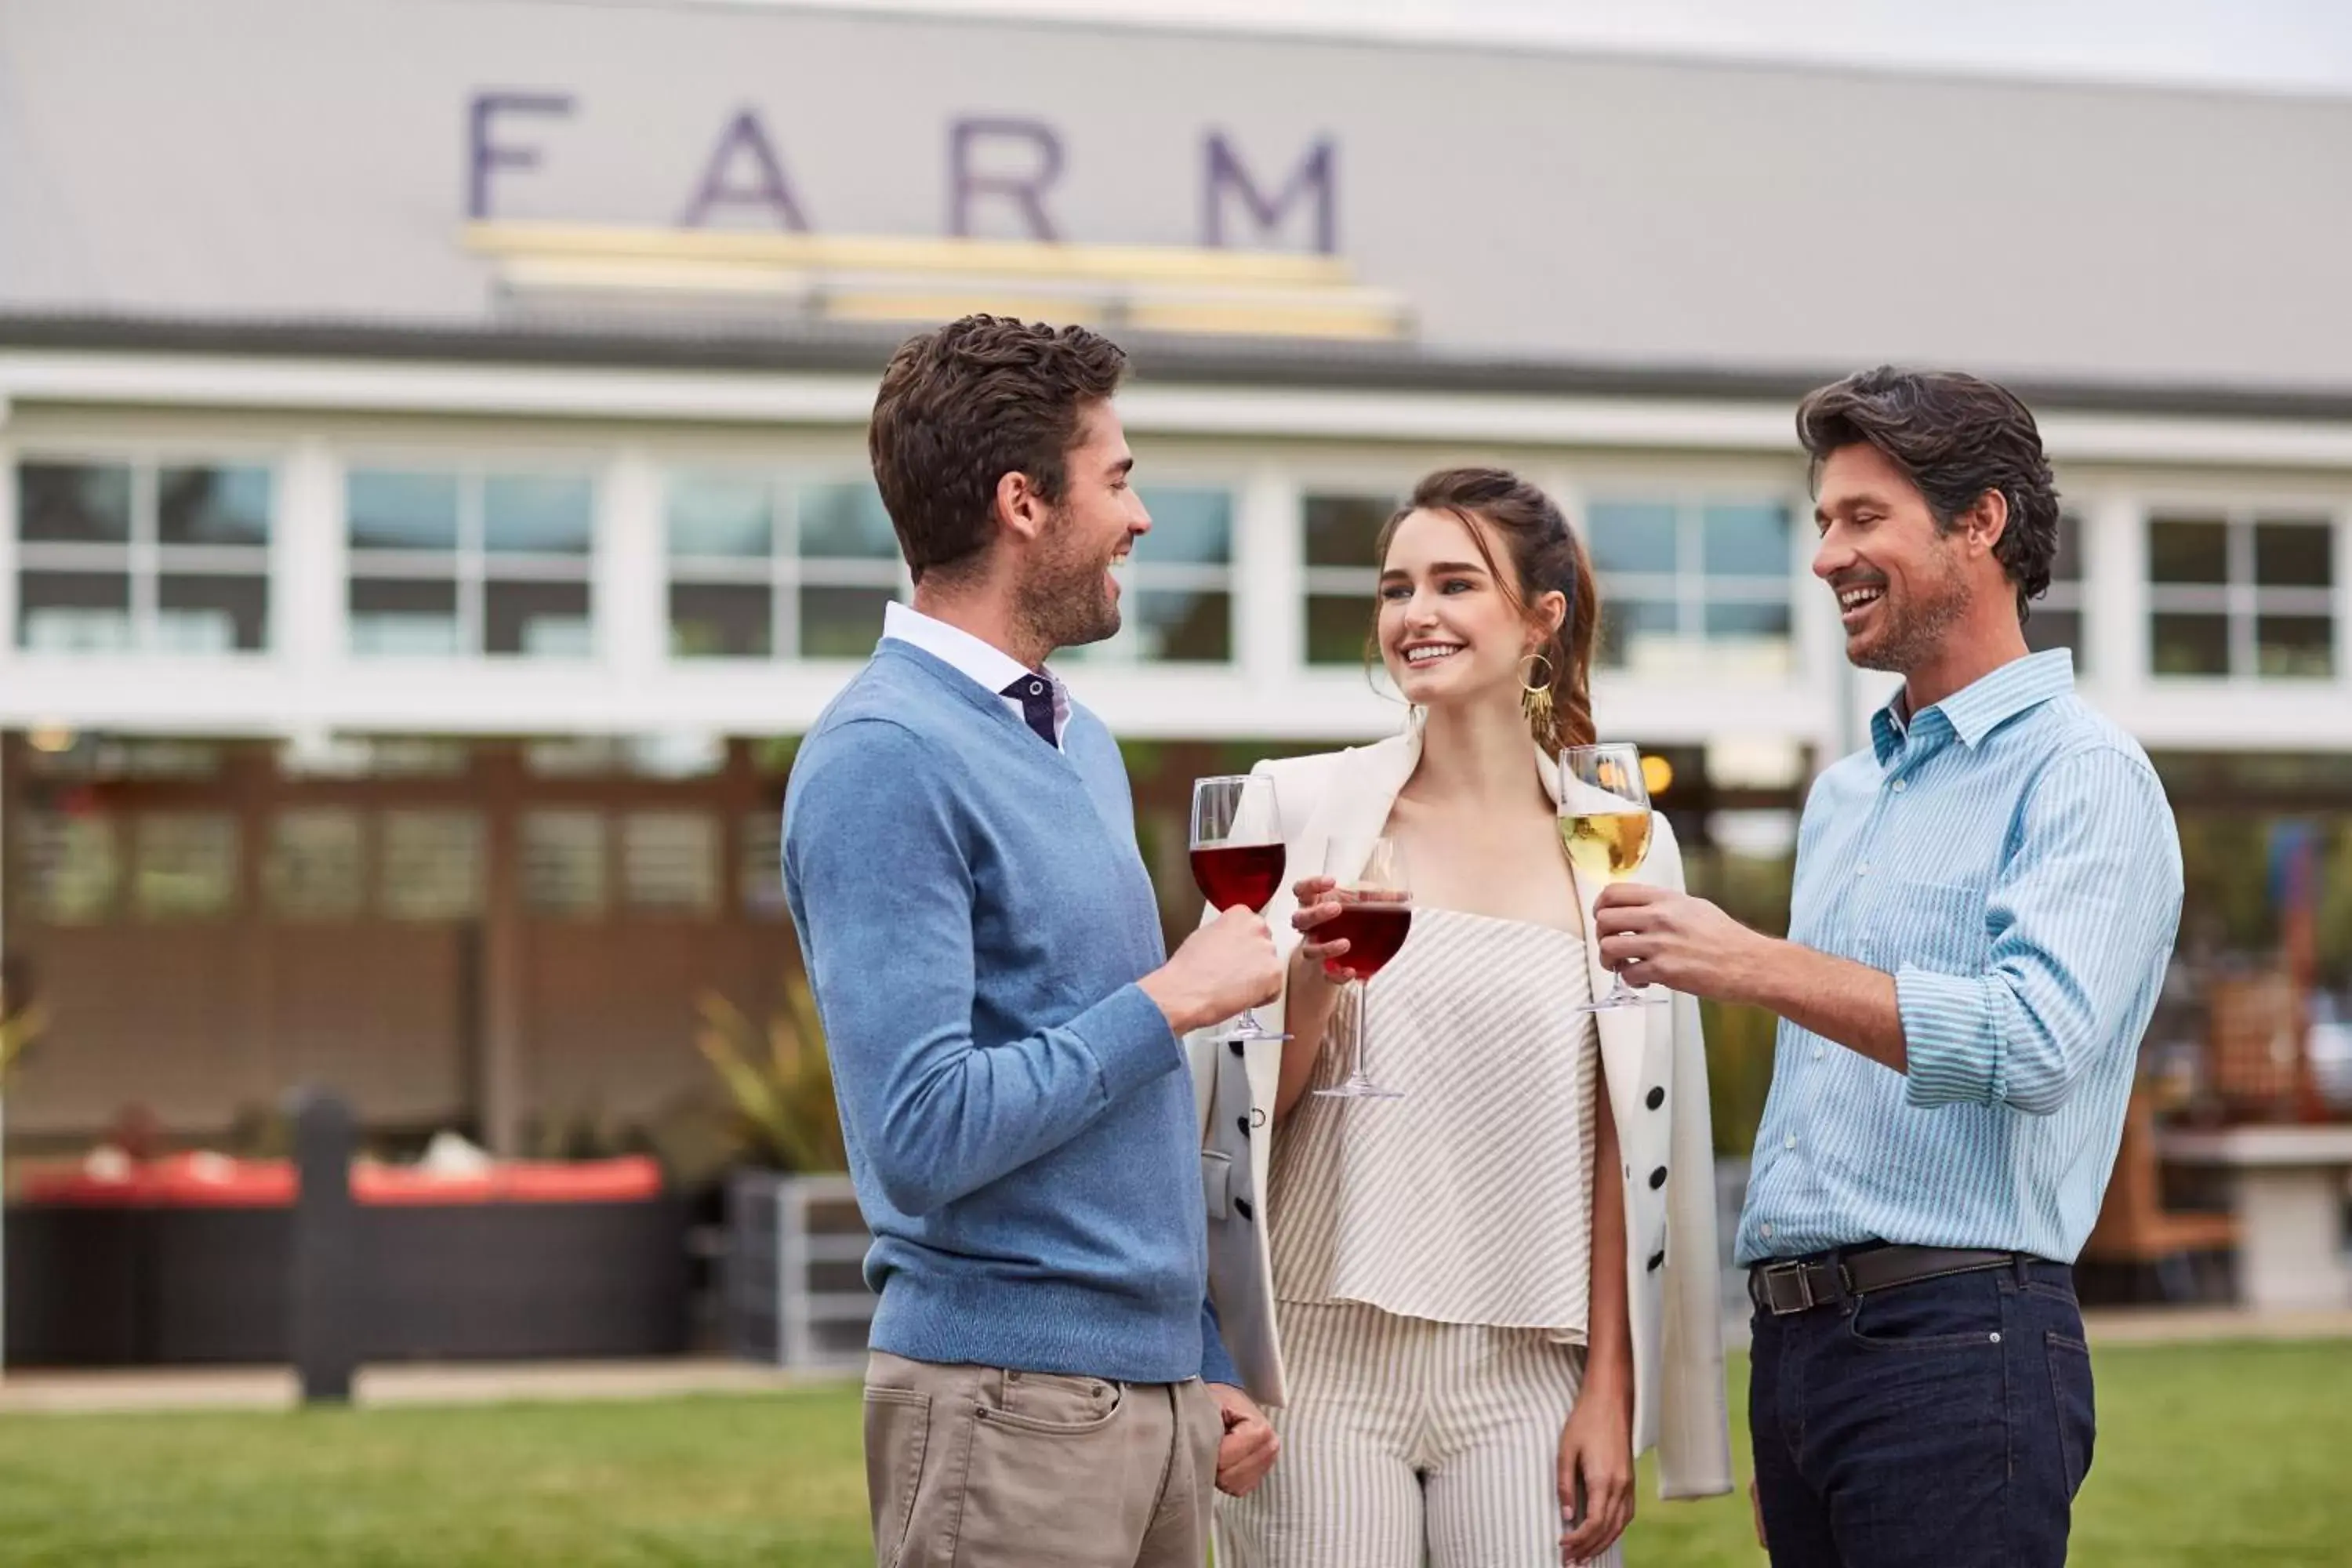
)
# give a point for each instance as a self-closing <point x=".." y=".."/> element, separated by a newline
<point x="1469" y="1200"/>
<point x="2009" y="857"/>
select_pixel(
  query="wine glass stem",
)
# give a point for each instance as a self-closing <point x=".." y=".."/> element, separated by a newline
<point x="1363" y="1003"/>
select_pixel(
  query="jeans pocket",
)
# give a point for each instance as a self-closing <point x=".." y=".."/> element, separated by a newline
<point x="898" y="1435"/>
<point x="1934" y="1315"/>
<point x="2078" y="1412"/>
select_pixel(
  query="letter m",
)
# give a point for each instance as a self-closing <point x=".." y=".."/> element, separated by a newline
<point x="1313" y="178"/>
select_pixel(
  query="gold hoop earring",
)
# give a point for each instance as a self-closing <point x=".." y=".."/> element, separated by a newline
<point x="1535" y="699"/>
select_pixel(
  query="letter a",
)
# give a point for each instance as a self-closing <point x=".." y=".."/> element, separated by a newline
<point x="768" y="188"/>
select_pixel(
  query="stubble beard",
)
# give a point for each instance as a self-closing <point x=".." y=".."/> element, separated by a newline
<point x="1064" y="602"/>
<point x="1918" y="635"/>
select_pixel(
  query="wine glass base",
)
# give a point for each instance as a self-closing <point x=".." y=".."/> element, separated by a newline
<point x="1244" y="1033"/>
<point x="1357" y="1088"/>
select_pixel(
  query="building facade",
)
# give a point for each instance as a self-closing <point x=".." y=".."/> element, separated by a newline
<point x="437" y="491"/>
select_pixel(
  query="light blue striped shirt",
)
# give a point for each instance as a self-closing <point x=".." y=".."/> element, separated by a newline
<point x="2009" y="857"/>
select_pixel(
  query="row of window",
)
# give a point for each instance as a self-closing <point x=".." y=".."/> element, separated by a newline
<point x="339" y="863"/>
<point x="119" y="556"/>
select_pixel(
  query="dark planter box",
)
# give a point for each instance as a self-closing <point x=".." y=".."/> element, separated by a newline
<point x="154" y="1286"/>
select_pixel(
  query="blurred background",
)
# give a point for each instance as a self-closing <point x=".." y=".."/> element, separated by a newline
<point x="437" y="501"/>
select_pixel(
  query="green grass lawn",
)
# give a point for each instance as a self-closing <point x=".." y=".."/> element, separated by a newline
<point x="2216" y="1454"/>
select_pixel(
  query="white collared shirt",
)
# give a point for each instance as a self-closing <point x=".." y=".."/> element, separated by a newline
<point x="989" y="664"/>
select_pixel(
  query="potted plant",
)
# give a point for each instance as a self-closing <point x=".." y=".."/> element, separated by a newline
<point x="793" y="1292"/>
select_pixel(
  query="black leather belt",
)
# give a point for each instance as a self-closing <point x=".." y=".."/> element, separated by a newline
<point x="1800" y="1284"/>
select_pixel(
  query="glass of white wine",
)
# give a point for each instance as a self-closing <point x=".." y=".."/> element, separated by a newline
<point x="1604" y="826"/>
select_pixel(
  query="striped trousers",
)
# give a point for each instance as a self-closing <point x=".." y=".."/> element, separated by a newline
<point x="1409" y="1442"/>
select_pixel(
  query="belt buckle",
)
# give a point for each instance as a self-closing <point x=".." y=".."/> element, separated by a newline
<point x="1798" y="1297"/>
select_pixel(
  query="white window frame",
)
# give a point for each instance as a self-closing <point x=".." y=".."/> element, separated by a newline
<point x="143" y="556"/>
<point x="2240" y="600"/>
<point x="471" y="565"/>
<point x="1690" y="587"/>
<point x="784" y="572"/>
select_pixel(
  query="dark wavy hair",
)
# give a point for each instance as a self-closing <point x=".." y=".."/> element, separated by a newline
<point x="963" y="405"/>
<point x="1545" y="555"/>
<point x="1955" y="437"/>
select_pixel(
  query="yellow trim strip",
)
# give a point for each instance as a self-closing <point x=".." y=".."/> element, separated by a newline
<point x="890" y="253"/>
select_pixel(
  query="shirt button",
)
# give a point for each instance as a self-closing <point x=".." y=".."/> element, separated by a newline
<point x="1790" y="1142"/>
<point x="1820" y="1051"/>
<point x="1897" y="787"/>
<point x="1766" y="1230"/>
<point x="1863" y="869"/>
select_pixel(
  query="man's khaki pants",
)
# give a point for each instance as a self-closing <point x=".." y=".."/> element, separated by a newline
<point x="972" y="1467"/>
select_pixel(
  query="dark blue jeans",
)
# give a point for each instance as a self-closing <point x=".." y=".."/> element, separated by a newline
<point x="1941" y="1424"/>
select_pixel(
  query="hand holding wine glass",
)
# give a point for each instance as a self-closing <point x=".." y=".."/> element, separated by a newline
<point x="1237" y="859"/>
<point x="1373" y="891"/>
<point x="1604" y="826"/>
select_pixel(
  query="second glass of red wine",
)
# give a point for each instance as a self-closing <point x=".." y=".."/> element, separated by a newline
<point x="1237" y="858"/>
<point x="1375" y="897"/>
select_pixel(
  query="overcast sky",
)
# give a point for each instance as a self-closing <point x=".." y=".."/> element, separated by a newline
<point x="2286" y="45"/>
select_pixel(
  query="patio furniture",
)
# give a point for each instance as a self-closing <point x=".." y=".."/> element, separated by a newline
<point x="2136" y="1231"/>
<point x="2287" y="1191"/>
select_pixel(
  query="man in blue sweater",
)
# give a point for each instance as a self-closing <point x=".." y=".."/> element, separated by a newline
<point x="1046" y="1386"/>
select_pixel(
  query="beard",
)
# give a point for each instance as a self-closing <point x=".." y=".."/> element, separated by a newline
<point x="1915" y="634"/>
<point x="1065" y="601"/>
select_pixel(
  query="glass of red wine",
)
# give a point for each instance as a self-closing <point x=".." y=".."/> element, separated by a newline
<point x="1237" y="858"/>
<point x="1375" y="898"/>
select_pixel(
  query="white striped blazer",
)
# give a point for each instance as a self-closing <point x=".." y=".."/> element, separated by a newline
<point x="1656" y="1065"/>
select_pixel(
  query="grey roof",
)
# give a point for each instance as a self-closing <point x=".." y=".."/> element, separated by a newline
<point x="271" y="172"/>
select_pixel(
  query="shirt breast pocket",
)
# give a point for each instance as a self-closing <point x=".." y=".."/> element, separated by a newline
<point x="1938" y="926"/>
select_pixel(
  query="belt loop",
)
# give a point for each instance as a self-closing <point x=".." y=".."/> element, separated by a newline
<point x="1838" y="1281"/>
<point x="2023" y="1265"/>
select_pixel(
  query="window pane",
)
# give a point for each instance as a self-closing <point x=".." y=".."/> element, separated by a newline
<point x="203" y="612"/>
<point x="73" y="612"/>
<point x="537" y="514"/>
<point x="1635" y="536"/>
<point x="1745" y="539"/>
<point x="763" y="868"/>
<point x="1633" y="630"/>
<point x="393" y="511"/>
<point x="71" y="866"/>
<point x="1193" y="526"/>
<point x="541" y="620"/>
<point x="212" y="505"/>
<point x="2295" y="647"/>
<point x="846" y="521"/>
<point x="399" y="617"/>
<point x="841" y="623"/>
<point x="721" y="514"/>
<point x="184" y="865"/>
<point x="1176" y="626"/>
<point x="2055" y="628"/>
<point x="2066" y="565"/>
<point x="315" y="866"/>
<point x="669" y="862"/>
<point x="2187" y="550"/>
<point x="720" y="620"/>
<point x="2294" y="555"/>
<point x="1747" y="623"/>
<point x="1345" y="531"/>
<point x="563" y="863"/>
<point x="432" y="865"/>
<point x="74" y="503"/>
<point x="1338" y="628"/>
<point x="2190" y="645"/>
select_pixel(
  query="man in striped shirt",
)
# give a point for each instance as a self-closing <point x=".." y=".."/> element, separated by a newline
<point x="1985" y="902"/>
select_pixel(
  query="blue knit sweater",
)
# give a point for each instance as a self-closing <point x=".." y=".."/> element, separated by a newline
<point x="1023" y="1138"/>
